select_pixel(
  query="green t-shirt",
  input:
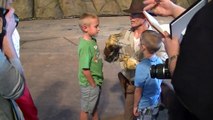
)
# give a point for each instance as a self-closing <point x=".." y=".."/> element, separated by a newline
<point x="88" y="54"/>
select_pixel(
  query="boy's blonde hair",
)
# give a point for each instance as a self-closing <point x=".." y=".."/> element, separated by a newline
<point x="84" y="19"/>
<point x="152" y="40"/>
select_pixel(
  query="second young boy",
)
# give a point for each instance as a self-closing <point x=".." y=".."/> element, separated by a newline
<point x="147" y="92"/>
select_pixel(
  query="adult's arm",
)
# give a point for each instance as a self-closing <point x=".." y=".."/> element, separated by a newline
<point x="8" y="46"/>
<point x="172" y="48"/>
<point x="11" y="82"/>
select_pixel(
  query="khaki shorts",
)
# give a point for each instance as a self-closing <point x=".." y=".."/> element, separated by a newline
<point x="90" y="98"/>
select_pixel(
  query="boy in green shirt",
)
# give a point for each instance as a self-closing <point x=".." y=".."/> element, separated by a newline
<point x="90" y="73"/>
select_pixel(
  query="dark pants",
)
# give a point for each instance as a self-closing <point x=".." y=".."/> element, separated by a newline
<point x="128" y="107"/>
<point x="176" y="110"/>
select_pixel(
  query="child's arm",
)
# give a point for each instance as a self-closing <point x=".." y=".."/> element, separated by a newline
<point x="89" y="77"/>
<point x="137" y="97"/>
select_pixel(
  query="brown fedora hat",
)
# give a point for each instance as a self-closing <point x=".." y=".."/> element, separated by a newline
<point x="135" y="7"/>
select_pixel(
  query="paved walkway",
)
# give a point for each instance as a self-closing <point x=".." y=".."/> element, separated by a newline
<point x="49" y="57"/>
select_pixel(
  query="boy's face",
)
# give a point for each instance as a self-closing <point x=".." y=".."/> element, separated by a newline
<point x="93" y="28"/>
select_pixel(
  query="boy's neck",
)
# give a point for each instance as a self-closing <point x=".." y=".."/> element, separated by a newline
<point x="86" y="36"/>
<point x="147" y="54"/>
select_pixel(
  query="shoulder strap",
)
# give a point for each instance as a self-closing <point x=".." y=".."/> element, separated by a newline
<point x="16" y="111"/>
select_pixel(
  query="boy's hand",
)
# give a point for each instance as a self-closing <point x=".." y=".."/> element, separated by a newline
<point x="93" y="85"/>
<point x="135" y="111"/>
<point x="89" y="77"/>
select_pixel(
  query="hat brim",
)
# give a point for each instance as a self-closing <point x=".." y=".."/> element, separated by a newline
<point x="132" y="11"/>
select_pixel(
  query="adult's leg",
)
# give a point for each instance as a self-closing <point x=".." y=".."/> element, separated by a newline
<point x="178" y="112"/>
<point x="128" y="90"/>
<point x="128" y="107"/>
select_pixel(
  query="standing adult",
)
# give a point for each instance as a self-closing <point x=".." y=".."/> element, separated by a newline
<point x="190" y="63"/>
<point x="11" y="82"/>
<point x="129" y="53"/>
<point x="11" y="47"/>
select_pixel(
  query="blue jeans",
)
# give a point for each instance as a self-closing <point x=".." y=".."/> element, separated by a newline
<point x="149" y="113"/>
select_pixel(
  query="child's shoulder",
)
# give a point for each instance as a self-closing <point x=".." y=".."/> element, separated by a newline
<point x="144" y="65"/>
<point x="83" y="42"/>
<point x="145" y="62"/>
<point x="155" y="59"/>
<point x="86" y="44"/>
<point x="159" y="60"/>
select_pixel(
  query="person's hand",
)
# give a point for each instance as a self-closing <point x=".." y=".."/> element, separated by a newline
<point x="163" y="7"/>
<point x="11" y="24"/>
<point x="171" y="45"/>
<point x="129" y="63"/>
<point x="135" y="111"/>
<point x="93" y="85"/>
<point x="159" y="7"/>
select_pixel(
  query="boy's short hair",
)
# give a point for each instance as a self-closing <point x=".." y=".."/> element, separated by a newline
<point x="84" y="18"/>
<point x="152" y="40"/>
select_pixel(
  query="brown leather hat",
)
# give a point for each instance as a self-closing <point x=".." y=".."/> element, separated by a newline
<point x="136" y="6"/>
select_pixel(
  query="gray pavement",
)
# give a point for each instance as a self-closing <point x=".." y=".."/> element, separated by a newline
<point x="49" y="57"/>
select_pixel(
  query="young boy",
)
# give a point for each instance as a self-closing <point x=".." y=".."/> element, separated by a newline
<point x="90" y="73"/>
<point x="147" y="90"/>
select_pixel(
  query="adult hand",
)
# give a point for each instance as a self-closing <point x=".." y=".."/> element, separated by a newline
<point x="135" y="111"/>
<point x="11" y="24"/>
<point x="163" y="7"/>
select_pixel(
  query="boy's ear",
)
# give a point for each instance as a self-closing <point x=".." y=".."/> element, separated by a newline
<point x="143" y="47"/>
<point x="84" y="27"/>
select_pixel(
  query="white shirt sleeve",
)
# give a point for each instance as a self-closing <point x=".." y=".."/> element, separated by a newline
<point x="16" y="41"/>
